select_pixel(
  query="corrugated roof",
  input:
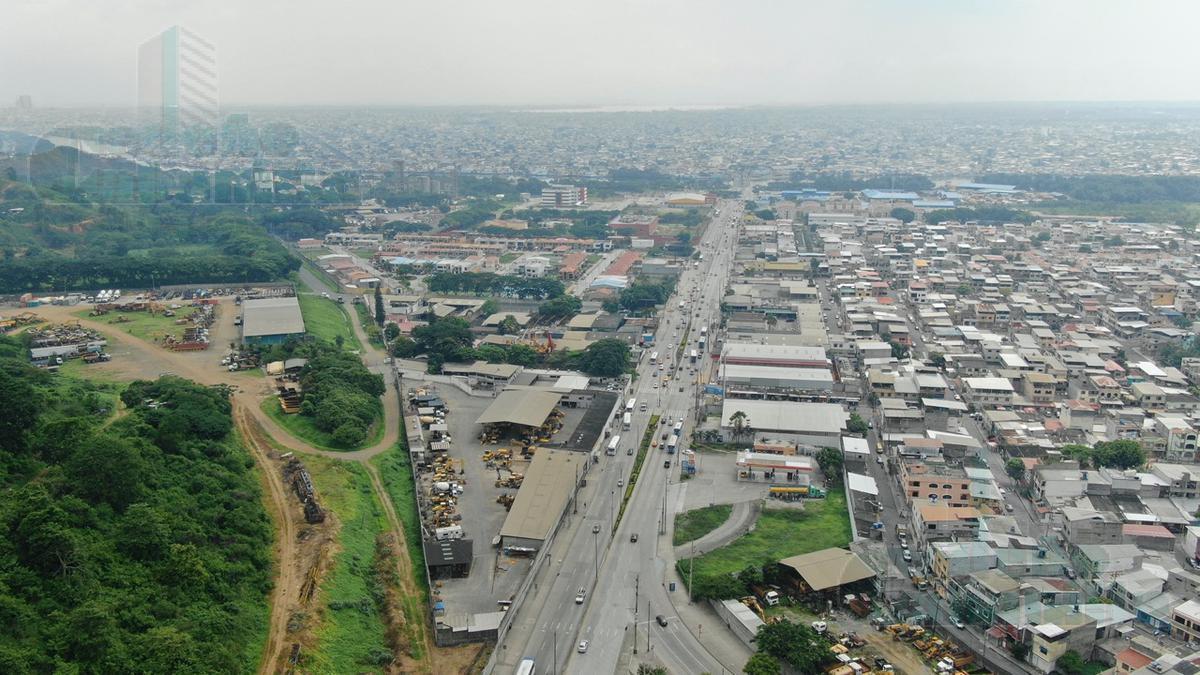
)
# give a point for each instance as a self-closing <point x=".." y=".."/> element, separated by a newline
<point x="828" y="568"/>
<point x="272" y="316"/>
<point x="543" y="494"/>
<point x="524" y="407"/>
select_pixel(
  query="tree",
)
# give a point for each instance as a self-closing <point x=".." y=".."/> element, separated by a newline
<point x="1019" y="650"/>
<point x="390" y="332"/>
<point x="488" y="308"/>
<point x="508" y="326"/>
<point x="740" y="423"/>
<point x="937" y="359"/>
<point x="857" y="425"/>
<point x="962" y="289"/>
<point x="794" y="643"/>
<point x="830" y="460"/>
<point x="1124" y="454"/>
<point x="762" y="664"/>
<point x="903" y="215"/>
<point x="1078" y="452"/>
<point x="899" y="351"/>
<point x="1015" y="469"/>
<point x="605" y="358"/>
<point x="560" y="307"/>
<point x="1070" y="663"/>
<point x="404" y="347"/>
<point x="20" y="404"/>
<point x="380" y="314"/>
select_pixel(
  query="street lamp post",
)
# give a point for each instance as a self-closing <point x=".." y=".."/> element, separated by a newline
<point x="596" y="554"/>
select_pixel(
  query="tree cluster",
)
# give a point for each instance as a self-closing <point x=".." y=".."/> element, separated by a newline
<point x="340" y="395"/>
<point x="795" y="644"/>
<point x="562" y="307"/>
<point x="605" y="358"/>
<point x="489" y="283"/>
<point x="642" y="295"/>
<point x="1112" y="188"/>
<point x="134" y="247"/>
<point x="982" y="214"/>
<point x="837" y="181"/>
<point x="1124" y="454"/>
<point x="136" y="546"/>
<point x="830" y="461"/>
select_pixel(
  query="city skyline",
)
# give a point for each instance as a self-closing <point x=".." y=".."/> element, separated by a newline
<point x="635" y="54"/>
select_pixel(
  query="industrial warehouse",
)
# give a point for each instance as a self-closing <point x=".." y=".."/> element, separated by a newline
<point x="271" y="321"/>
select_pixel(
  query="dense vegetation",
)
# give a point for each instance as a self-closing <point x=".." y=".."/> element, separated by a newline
<point x="983" y="214"/>
<point x="140" y="546"/>
<point x="1124" y="454"/>
<point x="835" y="181"/>
<point x="53" y="245"/>
<point x="642" y="295"/>
<point x="340" y="395"/>
<point x="1106" y="188"/>
<point x="299" y="223"/>
<point x="488" y="283"/>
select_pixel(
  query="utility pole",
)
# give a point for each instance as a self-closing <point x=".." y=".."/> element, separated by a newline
<point x="554" y="667"/>
<point x="648" y="614"/>
<point x="691" y="567"/>
<point x="636" y="582"/>
<point x="596" y="557"/>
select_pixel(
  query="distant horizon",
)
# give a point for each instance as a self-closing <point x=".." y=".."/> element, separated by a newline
<point x="651" y="107"/>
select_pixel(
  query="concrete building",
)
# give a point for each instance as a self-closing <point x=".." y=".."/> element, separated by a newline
<point x="949" y="559"/>
<point x="814" y="424"/>
<point x="563" y="196"/>
<point x="985" y="391"/>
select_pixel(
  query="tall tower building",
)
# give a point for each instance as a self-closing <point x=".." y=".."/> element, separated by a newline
<point x="177" y="80"/>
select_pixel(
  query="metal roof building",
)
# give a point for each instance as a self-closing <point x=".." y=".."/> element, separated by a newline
<point x="828" y="568"/>
<point x="544" y="495"/>
<point x="271" y="320"/>
<point x="523" y="407"/>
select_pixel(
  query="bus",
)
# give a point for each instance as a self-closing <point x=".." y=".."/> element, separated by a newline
<point x="527" y="667"/>
<point x="630" y="405"/>
<point x="703" y="330"/>
<point x="628" y="420"/>
<point x="693" y="355"/>
<point x="653" y="358"/>
<point x="613" y="445"/>
<point x="678" y="430"/>
<point x="671" y="445"/>
<point x="702" y="343"/>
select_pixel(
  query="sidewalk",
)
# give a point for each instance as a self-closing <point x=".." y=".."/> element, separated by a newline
<point x="740" y="521"/>
<point x="698" y="616"/>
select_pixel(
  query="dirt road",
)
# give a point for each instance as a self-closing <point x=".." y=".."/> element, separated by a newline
<point x="138" y="359"/>
<point x="287" y="559"/>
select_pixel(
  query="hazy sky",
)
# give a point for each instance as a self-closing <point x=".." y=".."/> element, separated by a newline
<point x="83" y="52"/>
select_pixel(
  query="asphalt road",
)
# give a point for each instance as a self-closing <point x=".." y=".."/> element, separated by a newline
<point x="608" y="567"/>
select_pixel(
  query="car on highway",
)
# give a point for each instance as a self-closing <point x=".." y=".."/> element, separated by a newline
<point x="907" y="556"/>
<point x="662" y="620"/>
<point x="957" y="622"/>
<point x="666" y="463"/>
<point x="1008" y="507"/>
<point x="579" y="596"/>
<point x="620" y="482"/>
<point x="583" y="645"/>
<point x="633" y="538"/>
<point x="904" y="544"/>
<point x="629" y="450"/>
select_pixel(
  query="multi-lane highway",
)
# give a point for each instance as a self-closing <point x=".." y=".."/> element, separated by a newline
<point x="608" y="566"/>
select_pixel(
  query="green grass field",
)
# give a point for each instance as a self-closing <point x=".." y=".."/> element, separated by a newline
<point x="143" y="325"/>
<point x="395" y="471"/>
<point x="782" y="533"/>
<point x="352" y="638"/>
<point x="305" y="429"/>
<point x="691" y="525"/>
<point x="324" y="319"/>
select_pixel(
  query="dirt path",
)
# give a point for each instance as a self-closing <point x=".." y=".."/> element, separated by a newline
<point x="138" y="359"/>
<point x="287" y="559"/>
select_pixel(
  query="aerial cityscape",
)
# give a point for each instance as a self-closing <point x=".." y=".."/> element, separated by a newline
<point x="532" y="338"/>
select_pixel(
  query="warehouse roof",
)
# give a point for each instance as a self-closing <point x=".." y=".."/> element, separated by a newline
<point x="543" y="494"/>
<point x="828" y="568"/>
<point x="526" y="407"/>
<point x="738" y="371"/>
<point x="271" y="316"/>
<point x="787" y="416"/>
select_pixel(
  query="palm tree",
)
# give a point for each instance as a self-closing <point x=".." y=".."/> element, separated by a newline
<point x="741" y="424"/>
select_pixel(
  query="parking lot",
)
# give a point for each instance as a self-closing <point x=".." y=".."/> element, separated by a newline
<point x="494" y="576"/>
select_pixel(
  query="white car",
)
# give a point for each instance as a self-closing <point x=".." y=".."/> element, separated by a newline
<point x="583" y="645"/>
<point x="957" y="622"/>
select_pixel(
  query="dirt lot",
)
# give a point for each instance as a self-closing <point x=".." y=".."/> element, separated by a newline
<point x="900" y="654"/>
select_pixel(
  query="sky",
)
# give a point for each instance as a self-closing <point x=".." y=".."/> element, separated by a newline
<point x="615" y="52"/>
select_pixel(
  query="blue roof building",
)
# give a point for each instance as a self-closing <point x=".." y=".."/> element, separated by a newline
<point x="987" y="187"/>
<point x="891" y="195"/>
